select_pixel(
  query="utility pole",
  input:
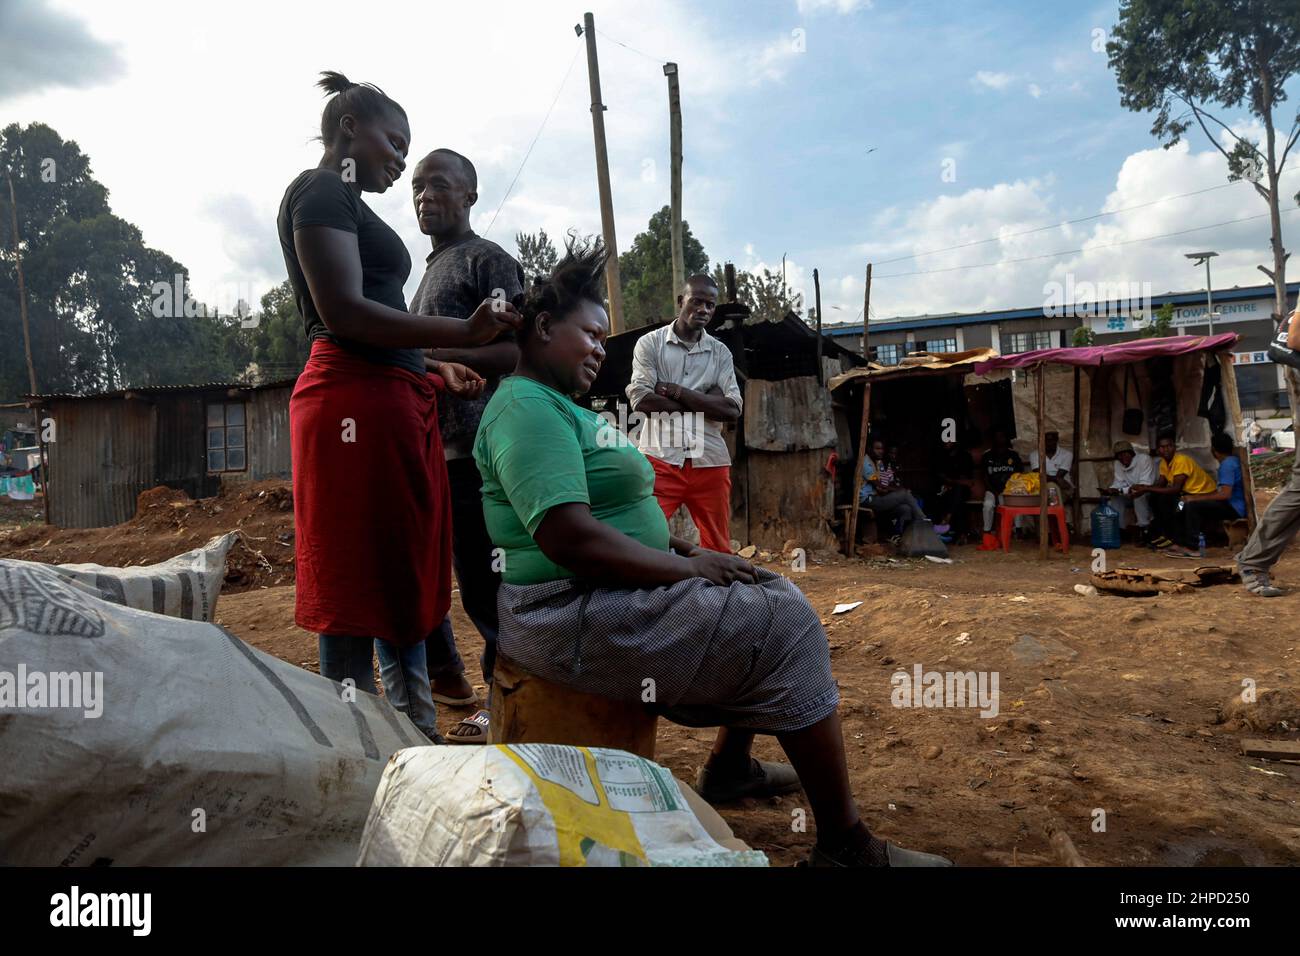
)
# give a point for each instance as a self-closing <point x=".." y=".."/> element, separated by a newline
<point x="675" y="158"/>
<point x="602" y="179"/>
<point x="866" y="316"/>
<point x="817" y="291"/>
<point x="22" y="289"/>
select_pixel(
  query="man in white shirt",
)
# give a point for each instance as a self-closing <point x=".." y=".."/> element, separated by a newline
<point x="1059" y="461"/>
<point x="684" y="382"/>
<point x="1132" y="469"/>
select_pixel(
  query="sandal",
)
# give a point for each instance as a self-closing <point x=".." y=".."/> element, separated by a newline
<point x="451" y="701"/>
<point x="471" y="730"/>
<point x="469" y="701"/>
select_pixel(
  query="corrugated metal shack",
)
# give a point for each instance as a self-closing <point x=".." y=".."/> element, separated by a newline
<point x="109" y="447"/>
<point x="781" y="488"/>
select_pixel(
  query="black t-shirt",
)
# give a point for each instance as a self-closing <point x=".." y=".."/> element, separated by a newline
<point x="320" y="197"/>
<point x="999" y="466"/>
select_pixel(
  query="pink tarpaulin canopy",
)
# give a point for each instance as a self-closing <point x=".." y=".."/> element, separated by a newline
<point x="1118" y="354"/>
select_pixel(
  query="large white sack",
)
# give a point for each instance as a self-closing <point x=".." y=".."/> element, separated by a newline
<point x="205" y="750"/>
<point x="535" y="805"/>
<point x="184" y="586"/>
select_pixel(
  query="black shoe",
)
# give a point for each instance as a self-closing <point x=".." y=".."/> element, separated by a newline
<point x="862" y="857"/>
<point x="763" y="780"/>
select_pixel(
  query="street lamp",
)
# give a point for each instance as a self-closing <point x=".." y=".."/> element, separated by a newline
<point x="1198" y="258"/>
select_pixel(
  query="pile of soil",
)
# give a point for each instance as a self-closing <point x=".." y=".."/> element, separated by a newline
<point x="168" y="522"/>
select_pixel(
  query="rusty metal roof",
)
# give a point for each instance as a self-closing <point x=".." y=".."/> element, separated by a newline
<point x="162" y="390"/>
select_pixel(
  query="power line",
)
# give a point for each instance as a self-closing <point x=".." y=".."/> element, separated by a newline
<point x="656" y="59"/>
<point x="1068" y="252"/>
<point x="524" y="162"/>
<point x="1070" y="222"/>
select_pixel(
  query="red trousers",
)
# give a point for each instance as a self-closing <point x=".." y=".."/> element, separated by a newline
<point x="706" y="492"/>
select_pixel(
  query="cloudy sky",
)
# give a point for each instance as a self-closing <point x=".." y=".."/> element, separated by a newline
<point x="835" y="132"/>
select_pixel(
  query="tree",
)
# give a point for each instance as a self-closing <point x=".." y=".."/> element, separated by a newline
<point x="536" y="254"/>
<point x="646" y="271"/>
<point x="1179" y="57"/>
<point x="90" y="284"/>
<point x="764" y="295"/>
<point x="279" y="348"/>
<point x="1083" y="337"/>
<point x="1161" y="322"/>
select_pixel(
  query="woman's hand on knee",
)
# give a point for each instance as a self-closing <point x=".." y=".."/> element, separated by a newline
<point x="720" y="568"/>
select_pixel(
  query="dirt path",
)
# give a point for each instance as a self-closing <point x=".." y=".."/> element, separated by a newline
<point x="1106" y="704"/>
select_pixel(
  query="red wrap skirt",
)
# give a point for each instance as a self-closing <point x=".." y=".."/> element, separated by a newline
<point x="371" y="502"/>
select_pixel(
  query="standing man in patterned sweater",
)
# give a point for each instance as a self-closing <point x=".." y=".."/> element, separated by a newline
<point x="462" y="270"/>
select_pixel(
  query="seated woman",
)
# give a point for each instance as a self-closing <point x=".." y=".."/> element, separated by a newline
<point x="882" y="493"/>
<point x="598" y="597"/>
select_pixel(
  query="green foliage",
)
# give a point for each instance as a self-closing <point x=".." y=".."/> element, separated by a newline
<point x="1177" y="58"/>
<point x="646" y="271"/>
<point x="279" y="340"/>
<point x="1083" y="337"/>
<point x="536" y="253"/>
<point x="1161" y="324"/>
<point x="89" y="281"/>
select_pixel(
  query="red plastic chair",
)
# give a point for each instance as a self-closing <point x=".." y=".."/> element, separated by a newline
<point x="1007" y="514"/>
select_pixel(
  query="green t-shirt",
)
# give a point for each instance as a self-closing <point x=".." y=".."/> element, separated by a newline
<point x="537" y="449"/>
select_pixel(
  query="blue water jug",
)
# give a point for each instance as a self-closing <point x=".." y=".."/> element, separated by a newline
<point x="1105" y="526"/>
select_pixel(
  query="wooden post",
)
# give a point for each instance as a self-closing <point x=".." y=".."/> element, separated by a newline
<point x="602" y="179"/>
<point x="1228" y="381"/>
<point x="1042" y="464"/>
<point x="866" y="316"/>
<point x="817" y="286"/>
<point x="22" y="296"/>
<point x="862" y="456"/>
<point x="729" y="279"/>
<point x="1077" y="504"/>
<point x="675" y="159"/>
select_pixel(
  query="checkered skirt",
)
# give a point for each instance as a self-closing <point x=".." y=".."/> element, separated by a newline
<point x="750" y="656"/>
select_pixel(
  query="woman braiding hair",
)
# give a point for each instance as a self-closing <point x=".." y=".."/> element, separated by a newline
<point x="369" y="482"/>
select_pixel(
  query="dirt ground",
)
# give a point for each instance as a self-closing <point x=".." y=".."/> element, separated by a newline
<point x="1111" y="709"/>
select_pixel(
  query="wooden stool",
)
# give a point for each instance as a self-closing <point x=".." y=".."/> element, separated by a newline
<point x="1007" y="514"/>
<point x="527" y="709"/>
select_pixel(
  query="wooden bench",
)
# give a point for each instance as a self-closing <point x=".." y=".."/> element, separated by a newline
<point x="530" y="709"/>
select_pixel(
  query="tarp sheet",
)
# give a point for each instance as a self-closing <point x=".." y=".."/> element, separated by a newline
<point x="1118" y="354"/>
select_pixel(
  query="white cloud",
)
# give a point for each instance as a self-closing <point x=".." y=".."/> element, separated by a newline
<point x="839" y="6"/>
<point x="992" y="80"/>
<point x="213" y="150"/>
<point x="1109" y="252"/>
<point x="1035" y="90"/>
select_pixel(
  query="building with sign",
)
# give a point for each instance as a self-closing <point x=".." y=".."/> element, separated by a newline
<point x="1115" y="313"/>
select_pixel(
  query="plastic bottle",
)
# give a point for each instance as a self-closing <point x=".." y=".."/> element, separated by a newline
<point x="1105" y="526"/>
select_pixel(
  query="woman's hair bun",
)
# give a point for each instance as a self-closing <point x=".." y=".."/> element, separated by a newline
<point x="332" y="82"/>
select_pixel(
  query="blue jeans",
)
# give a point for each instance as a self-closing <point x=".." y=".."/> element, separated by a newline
<point x="404" y="670"/>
